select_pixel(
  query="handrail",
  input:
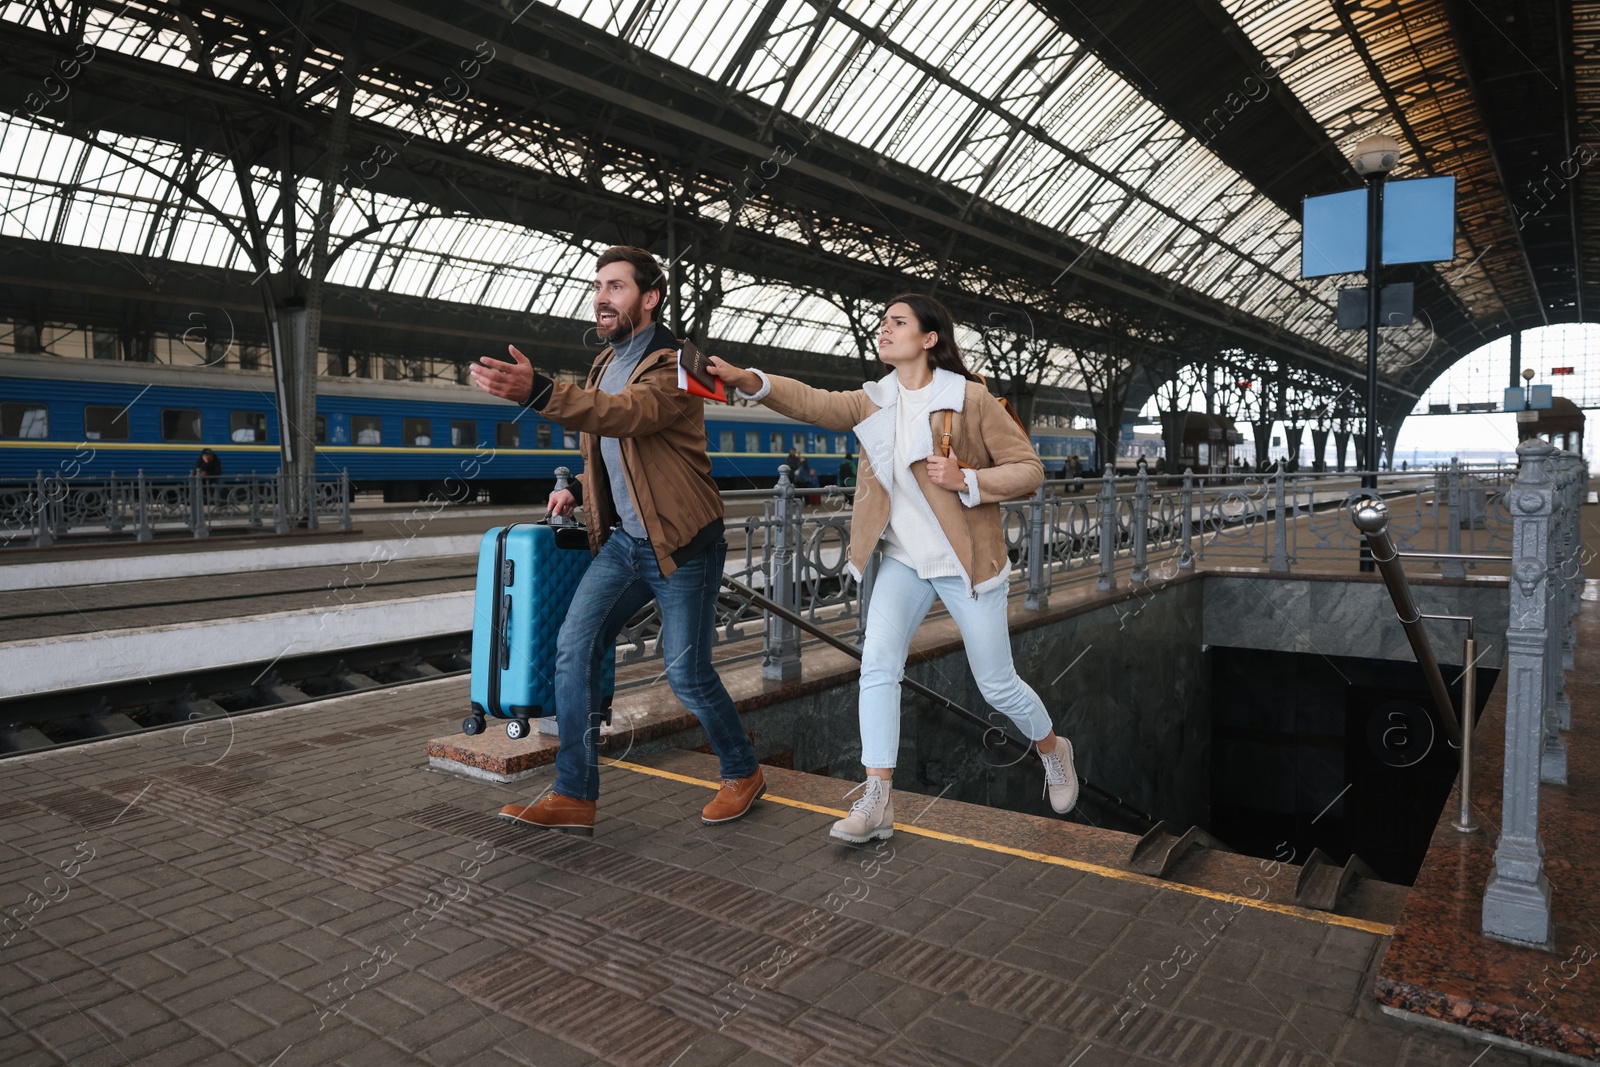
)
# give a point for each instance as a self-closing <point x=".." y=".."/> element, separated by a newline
<point x="753" y="597"/>
<point x="1371" y="517"/>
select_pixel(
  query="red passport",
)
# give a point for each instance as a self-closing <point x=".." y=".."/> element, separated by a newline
<point x="695" y="378"/>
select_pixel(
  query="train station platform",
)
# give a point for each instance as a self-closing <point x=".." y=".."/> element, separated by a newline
<point x="328" y="885"/>
<point x="298" y="888"/>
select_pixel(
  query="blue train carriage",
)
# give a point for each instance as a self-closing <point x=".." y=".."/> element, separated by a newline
<point x="81" y="418"/>
<point x="1055" y="444"/>
<point x="86" y="419"/>
<point x="748" y="443"/>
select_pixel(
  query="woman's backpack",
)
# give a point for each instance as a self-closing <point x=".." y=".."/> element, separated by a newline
<point x="949" y="418"/>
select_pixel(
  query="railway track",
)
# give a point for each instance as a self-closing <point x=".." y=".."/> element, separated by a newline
<point x="58" y="720"/>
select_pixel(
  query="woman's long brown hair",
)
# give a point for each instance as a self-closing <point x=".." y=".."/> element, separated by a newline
<point x="934" y="317"/>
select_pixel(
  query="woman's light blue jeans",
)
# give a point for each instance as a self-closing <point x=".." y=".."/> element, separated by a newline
<point x="900" y="601"/>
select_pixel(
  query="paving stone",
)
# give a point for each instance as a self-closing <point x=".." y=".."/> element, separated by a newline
<point x="239" y="894"/>
<point x="227" y="1023"/>
<point x="129" y="1014"/>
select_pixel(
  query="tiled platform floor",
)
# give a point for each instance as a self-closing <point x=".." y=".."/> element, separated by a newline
<point x="296" y="888"/>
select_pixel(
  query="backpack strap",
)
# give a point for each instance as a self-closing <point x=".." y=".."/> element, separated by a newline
<point x="944" y="441"/>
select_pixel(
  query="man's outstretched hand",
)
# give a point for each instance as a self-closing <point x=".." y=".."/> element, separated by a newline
<point x="512" y="381"/>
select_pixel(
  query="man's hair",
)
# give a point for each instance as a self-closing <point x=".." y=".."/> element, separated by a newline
<point x="647" y="272"/>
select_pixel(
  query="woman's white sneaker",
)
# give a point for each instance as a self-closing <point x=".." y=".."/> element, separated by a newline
<point x="872" y="815"/>
<point x="1060" y="777"/>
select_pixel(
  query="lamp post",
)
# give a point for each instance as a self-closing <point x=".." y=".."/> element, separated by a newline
<point x="1375" y="157"/>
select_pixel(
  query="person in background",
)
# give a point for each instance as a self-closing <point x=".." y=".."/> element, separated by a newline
<point x="847" y="471"/>
<point x="938" y="455"/>
<point x="655" y="524"/>
<point x="209" y="464"/>
<point x="847" y="477"/>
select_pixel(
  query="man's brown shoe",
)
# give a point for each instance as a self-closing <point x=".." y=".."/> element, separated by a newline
<point x="554" y="812"/>
<point x="734" y="798"/>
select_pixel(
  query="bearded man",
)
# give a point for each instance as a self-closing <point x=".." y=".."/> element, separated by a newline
<point x="655" y="523"/>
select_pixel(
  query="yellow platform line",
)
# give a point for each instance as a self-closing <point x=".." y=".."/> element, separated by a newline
<point x="1310" y="915"/>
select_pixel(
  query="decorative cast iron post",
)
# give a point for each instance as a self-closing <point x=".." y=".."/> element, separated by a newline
<point x="1516" y="901"/>
<point x="1037" y="595"/>
<point x="1280" y="540"/>
<point x="1108" y="529"/>
<point x="1186" y="508"/>
<point x="1141" y="528"/>
<point x="780" y="653"/>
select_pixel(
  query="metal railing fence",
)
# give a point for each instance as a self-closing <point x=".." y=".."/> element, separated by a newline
<point x="51" y="507"/>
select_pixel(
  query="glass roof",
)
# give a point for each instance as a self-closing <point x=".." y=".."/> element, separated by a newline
<point x="989" y="97"/>
<point x="1346" y="63"/>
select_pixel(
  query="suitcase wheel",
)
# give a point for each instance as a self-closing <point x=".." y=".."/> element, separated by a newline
<point x="517" y="729"/>
<point x="472" y="724"/>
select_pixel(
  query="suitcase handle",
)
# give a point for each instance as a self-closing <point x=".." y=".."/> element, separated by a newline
<point x="505" y="632"/>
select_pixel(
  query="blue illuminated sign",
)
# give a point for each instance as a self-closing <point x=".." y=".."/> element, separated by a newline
<point x="1418" y="227"/>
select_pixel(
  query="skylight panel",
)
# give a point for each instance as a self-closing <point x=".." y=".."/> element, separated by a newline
<point x="987" y="62"/>
<point x="778" y="52"/>
<point x="698" y="34"/>
<point x="922" y="133"/>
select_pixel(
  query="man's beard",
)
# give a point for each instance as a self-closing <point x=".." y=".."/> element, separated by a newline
<point x="628" y="320"/>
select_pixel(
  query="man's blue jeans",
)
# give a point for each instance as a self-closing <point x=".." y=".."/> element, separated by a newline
<point x="621" y="579"/>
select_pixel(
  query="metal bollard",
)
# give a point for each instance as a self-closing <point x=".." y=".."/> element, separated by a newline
<point x="44" y="535"/>
<point x="197" y="506"/>
<point x="114" y="502"/>
<point x="1108" y="529"/>
<point x="281" y="504"/>
<point x="1037" y="595"/>
<point x="144" y="532"/>
<point x="1141" y="528"/>
<point x="1280" y="525"/>
<point x="1459" y="504"/>
<point x="780" y="654"/>
<point x="1469" y="709"/>
<point x="1186" y="506"/>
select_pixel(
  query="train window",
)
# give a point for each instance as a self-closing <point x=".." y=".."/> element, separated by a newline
<point x="366" y="429"/>
<point x="25" y="419"/>
<point x="841" y="444"/>
<point x="777" y="444"/>
<point x="463" y="435"/>
<point x="819" y="443"/>
<point x="569" y="438"/>
<point x="247" y="426"/>
<point x="752" y="441"/>
<point x="180" y="424"/>
<point x="416" y="432"/>
<point x="105" y="423"/>
<point x="322" y="429"/>
<point x="541" y="434"/>
<point x="800" y="442"/>
<point x="725" y="440"/>
<point x="507" y="435"/>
